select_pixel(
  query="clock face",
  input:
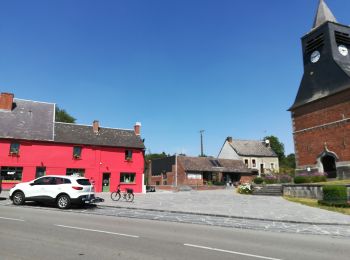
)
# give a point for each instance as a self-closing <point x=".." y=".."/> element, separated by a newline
<point x="315" y="56"/>
<point x="343" y="50"/>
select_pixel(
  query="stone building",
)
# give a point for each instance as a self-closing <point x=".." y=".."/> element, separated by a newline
<point x="321" y="111"/>
<point x="255" y="154"/>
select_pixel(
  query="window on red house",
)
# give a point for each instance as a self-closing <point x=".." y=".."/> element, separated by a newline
<point x="40" y="171"/>
<point x="75" y="171"/>
<point x="14" y="148"/>
<point x="128" y="155"/>
<point x="127" y="177"/>
<point x="77" y="152"/>
<point x="11" y="173"/>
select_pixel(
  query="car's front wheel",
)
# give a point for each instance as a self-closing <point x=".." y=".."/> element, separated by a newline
<point x="63" y="201"/>
<point x="18" y="198"/>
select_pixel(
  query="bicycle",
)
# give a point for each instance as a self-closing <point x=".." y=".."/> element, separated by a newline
<point x="128" y="195"/>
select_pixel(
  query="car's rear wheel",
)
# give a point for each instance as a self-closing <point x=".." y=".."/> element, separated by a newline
<point x="63" y="202"/>
<point x="18" y="198"/>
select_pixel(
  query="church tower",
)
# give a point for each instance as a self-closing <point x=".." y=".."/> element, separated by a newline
<point x="321" y="111"/>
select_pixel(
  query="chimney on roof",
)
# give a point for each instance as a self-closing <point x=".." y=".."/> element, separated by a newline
<point x="229" y="139"/>
<point x="96" y="126"/>
<point x="267" y="142"/>
<point x="6" y="101"/>
<point x="137" y="128"/>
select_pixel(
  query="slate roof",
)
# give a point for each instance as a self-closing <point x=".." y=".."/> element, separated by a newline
<point x="34" y="121"/>
<point x="252" y="148"/>
<point x="331" y="75"/>
<point x="82" y="134"/>
<point x="28" y="120"/>
<point x="209" y="164"/>
<point x="323" y="14"/>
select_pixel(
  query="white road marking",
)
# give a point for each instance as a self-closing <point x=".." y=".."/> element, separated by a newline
<point x="14" y="219"/>
<point x="231" y="252"/>
<point x="99" y="231"/>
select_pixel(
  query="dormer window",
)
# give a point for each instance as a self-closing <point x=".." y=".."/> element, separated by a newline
<point x="128" y="155"/>
<point x="77" y="152"/>
<point x="14" y="148"/>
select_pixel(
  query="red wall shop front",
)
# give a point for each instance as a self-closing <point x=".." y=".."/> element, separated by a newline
<point x="106" y="167"/>
<point x="33" y="144"/>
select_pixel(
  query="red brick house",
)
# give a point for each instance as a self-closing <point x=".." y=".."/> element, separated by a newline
<point x="196" y="171"/>
<point x="321" y="111"/>
<point x="32" y="144"/>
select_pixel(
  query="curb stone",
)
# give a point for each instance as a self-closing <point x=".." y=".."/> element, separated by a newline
<point x="227" y="216"/>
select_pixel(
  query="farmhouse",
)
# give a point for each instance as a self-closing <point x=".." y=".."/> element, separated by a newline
<point x="255" y="154"/>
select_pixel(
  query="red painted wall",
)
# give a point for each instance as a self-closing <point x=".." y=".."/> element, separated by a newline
<point x="58" y="157"/>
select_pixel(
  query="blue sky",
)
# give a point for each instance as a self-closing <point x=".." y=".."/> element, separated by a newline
<point x="229" y="67"/>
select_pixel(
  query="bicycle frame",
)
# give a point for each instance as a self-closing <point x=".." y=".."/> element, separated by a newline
<point x="127" y="195"/>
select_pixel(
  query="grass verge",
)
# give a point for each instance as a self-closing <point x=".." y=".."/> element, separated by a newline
<point x="314" y="203"/>
<point x="339" y="182"/>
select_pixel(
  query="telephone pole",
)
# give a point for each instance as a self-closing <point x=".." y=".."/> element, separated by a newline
<point x="201" y="132"/>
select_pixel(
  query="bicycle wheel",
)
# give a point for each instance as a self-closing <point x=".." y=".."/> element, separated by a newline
<point x="130" y="197"/>
<point x="115" y="196"/>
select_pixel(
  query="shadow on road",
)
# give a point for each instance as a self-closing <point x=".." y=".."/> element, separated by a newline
<point x="48" y="205"/>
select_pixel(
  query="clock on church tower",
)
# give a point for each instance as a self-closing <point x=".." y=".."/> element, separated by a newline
<point x="321" y="111"/>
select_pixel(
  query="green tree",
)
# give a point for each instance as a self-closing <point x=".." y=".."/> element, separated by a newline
<point x="63" y="116"/>
<point x="277" y="146"/>
<point x="152" y="156"/>
<point x="289" y="161"/>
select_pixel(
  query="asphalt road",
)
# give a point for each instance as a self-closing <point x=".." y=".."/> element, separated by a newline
<point x="34" y="233"/>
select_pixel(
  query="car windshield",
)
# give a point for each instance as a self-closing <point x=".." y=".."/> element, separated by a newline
<point x="84" y="182"/>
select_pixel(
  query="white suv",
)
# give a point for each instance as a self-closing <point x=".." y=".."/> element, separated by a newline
<point x="59" y="189"/>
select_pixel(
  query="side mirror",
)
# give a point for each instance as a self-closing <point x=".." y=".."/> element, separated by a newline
<point x="32" y="184"/>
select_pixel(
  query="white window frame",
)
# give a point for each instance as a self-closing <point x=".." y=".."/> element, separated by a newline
<point x="244" y="161"/>
<point x="254" y="165"/>
<point x="194" y="176"/>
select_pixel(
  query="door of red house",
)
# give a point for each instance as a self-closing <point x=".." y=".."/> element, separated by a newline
<point x="106" y="182"/>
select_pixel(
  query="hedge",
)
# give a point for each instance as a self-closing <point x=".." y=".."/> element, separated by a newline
<point x="301" y="179"/>
<point x="258" y="180"/>
<point x="270" y="179"/>
<point x="305" y="178"/>
<point x="334" y="195"/>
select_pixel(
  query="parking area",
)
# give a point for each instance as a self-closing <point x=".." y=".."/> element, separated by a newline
<point x="222" y="203"/>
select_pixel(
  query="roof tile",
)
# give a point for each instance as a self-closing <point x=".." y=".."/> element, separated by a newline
<point x="252" y="148"/>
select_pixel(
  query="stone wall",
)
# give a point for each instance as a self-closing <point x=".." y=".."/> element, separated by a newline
<point x="311" y="191"/>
